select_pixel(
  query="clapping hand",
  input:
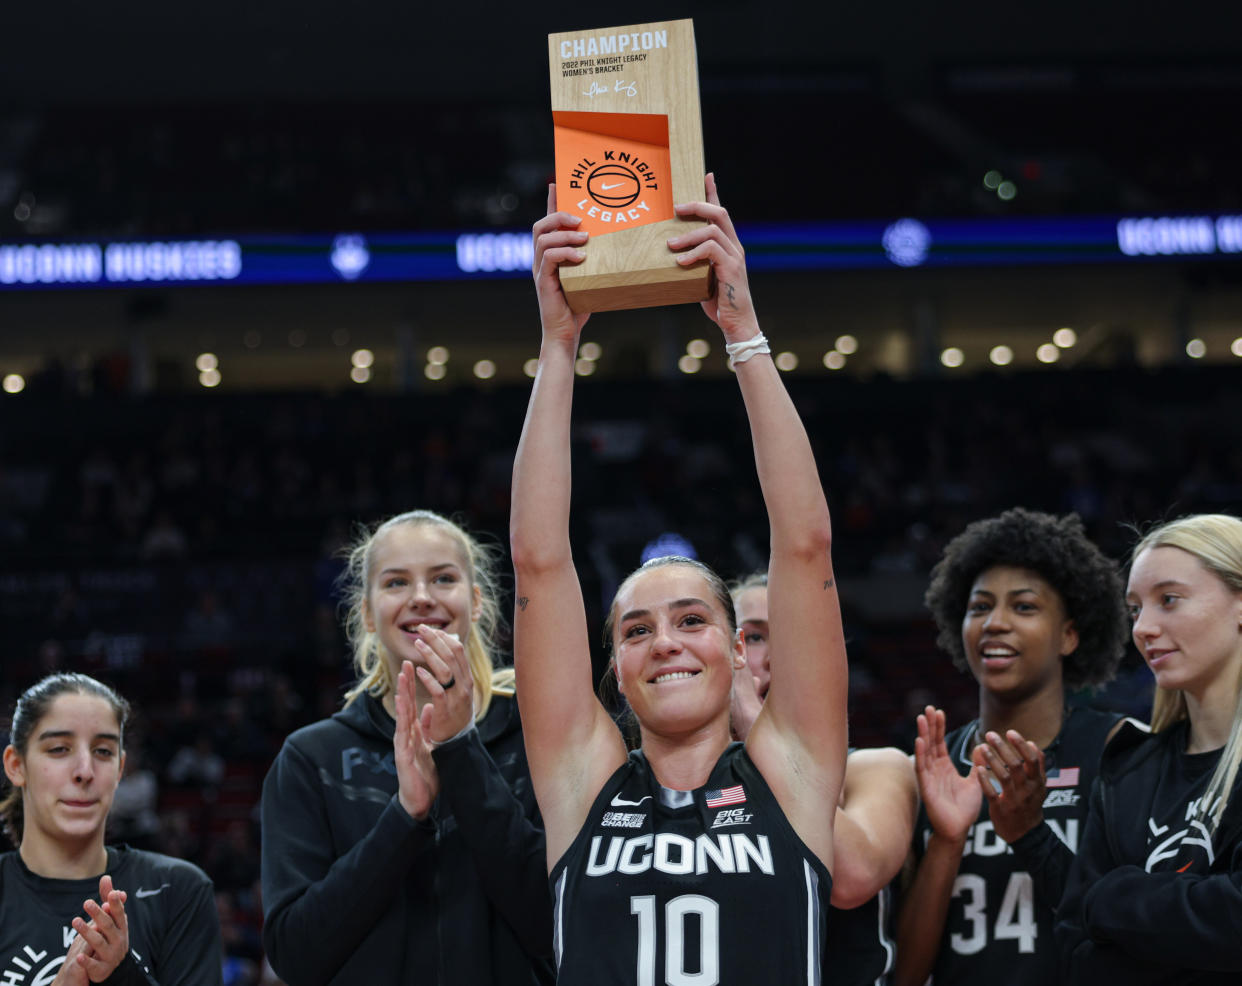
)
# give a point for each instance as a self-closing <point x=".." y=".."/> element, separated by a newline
<point x="102" y="942"/>
<point x="417" y="780"/>
<point x="952" y="801"/>
<point x="1012" y="777"/>
<point x="448" y="683"/>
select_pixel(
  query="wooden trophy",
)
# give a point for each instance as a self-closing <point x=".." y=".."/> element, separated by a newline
<point x="629" y="143"/>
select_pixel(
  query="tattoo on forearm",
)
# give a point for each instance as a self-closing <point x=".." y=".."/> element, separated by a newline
<point x="729" y="291"/>
<point x="522" y="601"/>
<point x="827" y="585"/>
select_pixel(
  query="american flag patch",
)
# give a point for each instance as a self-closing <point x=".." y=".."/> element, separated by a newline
<point x="1063" y="777"/>
<point x="725" y="796"/>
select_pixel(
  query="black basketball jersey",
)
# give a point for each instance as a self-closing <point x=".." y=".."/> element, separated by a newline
<point x="996" y="931"/>
<point x="689" y="888"/>
<point x="860" y="950"/>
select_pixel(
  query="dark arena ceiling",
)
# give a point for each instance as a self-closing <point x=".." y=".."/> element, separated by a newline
<point x="150" y="52"/>
<point x="205" y="122"/>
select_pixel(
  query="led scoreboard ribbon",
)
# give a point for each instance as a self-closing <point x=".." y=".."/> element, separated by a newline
<point x="389" y="257"/>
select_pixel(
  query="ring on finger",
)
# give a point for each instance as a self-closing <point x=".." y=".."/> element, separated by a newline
<point x="450" y="683"/>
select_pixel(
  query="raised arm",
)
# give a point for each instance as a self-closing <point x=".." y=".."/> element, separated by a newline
<point x="798" y="741"/>
<point x="571" y="742"/>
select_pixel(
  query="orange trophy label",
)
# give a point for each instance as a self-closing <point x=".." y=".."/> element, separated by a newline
<point x="613" y="169"/>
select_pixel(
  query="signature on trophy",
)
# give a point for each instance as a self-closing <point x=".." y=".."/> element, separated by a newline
<point x="629" y="88"/>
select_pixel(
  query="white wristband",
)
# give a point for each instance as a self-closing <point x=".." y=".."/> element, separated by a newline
<point x="740" y="352"/>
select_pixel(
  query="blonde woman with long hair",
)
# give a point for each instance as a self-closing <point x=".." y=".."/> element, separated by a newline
<point x="1155" y="895"/>
<point x="401" y="841"/>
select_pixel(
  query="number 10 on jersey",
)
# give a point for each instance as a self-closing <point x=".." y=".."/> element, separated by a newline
<point x="676" y="912"/>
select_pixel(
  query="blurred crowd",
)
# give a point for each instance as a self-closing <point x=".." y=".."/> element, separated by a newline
<point x="1069" y="140"/>
<point x="186" y="548"/>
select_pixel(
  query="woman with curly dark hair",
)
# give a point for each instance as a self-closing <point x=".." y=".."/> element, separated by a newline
<point x="1028" y="605"/>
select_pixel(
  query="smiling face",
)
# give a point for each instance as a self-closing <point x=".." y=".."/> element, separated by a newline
<point x="675" y="650"/>
<point x="1187" y="622"/>
<point x="419" y="575"/>
<point x="1015" y="632"/>
<point x="752" y="617"/>
<point x="68" y="774"/>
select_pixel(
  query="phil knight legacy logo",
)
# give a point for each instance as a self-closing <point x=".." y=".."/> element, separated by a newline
<point x="615" y="183"/>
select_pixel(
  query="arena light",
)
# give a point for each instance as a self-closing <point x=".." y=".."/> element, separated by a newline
<point x="689" y="364"/>
<point x="584" y="367"/>
<point x="952" y="357"/>
<point x="847" y="345"/>
<point x="531" y="367"/>
<point x="1006" y="191"/>
<point x="591" y="350"/>
<point x="992" y="180"/>
<point x="437" y="356"/>
<point x="1196" y="349"/>
<point x="209" y="378"/>
<point x="698" y="348"/>
<point x="297" y="338"/>
<point x="434" y="371"/>
<point x="834" y="360"/>
<point x="252" y="339"/>
<point x="14" y="383"/>
<point x="485" y="369"/>
<point x="1001" y="355"/>
<point x="1236" y="347"/>
<point x="362" y="358"/>
<point x="1064" y="338"/>
<point x="1048" y="353"/>
<point x="205" y="362"/>
<point x="786" y="361"/>
<point x="359" y="374"/>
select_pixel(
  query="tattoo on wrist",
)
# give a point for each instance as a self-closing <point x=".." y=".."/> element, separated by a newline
<point x="829" y="584"/>
<point x="729" y="292"/>
<point x="522" y="601"/>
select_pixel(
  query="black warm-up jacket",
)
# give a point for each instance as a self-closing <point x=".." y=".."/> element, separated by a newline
<point x="1119" y="923"/>
<point x="356" y="891"/>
